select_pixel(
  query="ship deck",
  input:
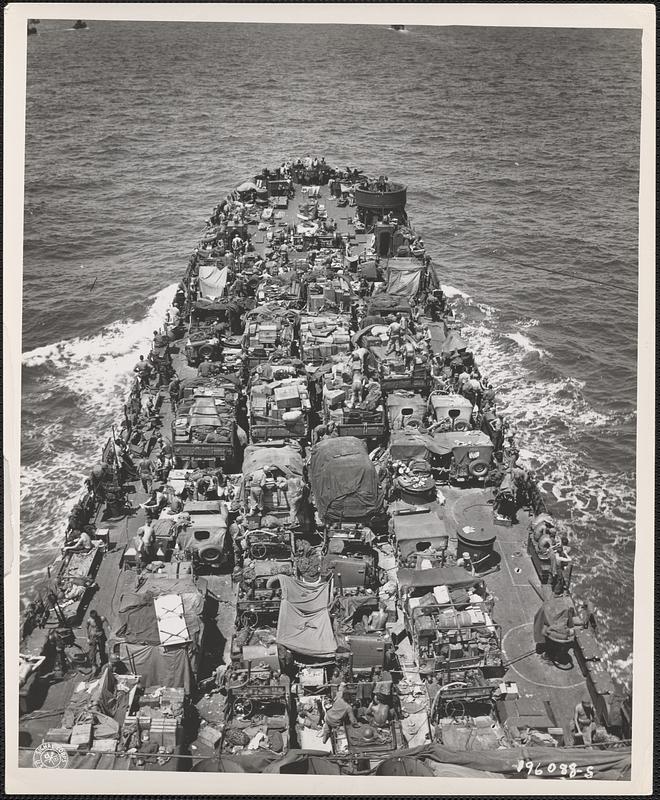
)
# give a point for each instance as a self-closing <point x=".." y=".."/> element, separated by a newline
<point x="289" y="216"/>
<point x="513" y="582"/>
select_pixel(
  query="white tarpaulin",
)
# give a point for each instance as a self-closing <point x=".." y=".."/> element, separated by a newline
<point x="212" y="282"/>
<point x="171" y="621"/>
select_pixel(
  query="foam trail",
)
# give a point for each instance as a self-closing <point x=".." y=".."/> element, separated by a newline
<point x="549" y="418"/>
<point x="526" y="344"/>
<point x="91" y="376"/>
<point x="452" y="291"/>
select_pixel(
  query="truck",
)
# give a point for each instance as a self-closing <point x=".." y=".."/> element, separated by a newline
<point x="269" y="328"/>
<point x="279" y="402"/>
<point x="204" y="430"/>
<point x="363" y="420"/>
<point x="204" y="537"/>
<point x="449" y="628"/>
<point x="394" y="372"/>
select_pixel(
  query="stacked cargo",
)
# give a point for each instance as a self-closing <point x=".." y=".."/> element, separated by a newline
<point x="279" y="409"/>
<point x="322" y="337"/>
<point x="355" y="412"/>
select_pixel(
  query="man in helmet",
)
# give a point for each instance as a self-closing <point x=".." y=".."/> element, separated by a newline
<point x="336" y="713"/>
<point x="204" y="369"/>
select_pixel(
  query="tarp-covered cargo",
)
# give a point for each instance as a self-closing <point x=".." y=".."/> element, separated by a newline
<point x="408" y="444"/>
<point x="413" y="529"/>
<point x="440" y="576"/>
<point x="136" y="629"/>
<point x="383" y="303"/>
<point x="304" y="624"/>
<point x="344" y="480"/>
<point x="288" y="458"/>
<point x="446" y="442"/>
<point x="403" y="277"/>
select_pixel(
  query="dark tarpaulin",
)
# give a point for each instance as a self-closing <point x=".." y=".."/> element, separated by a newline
<point x="107" y="761"/>
<point x="299" y="762"/>
<point x="287" y="458"/>
<point x="403" y="765"/>
<point x="606" y="764"/>
<point x="408" y="444"/>
<point x="445" y="442"/>
<point x="304" y="624"/>
<point x="205" y="304"/>
<point x="344" y="480"/>
<point x="157" y="667"/>
<point x="439" y="576"/>
<point x="217" y="764"/>
<point x="368" y="270"/>
<point x="403" y="277"/>
<point x="387" y="303"/>
<point x="554" y="619"/>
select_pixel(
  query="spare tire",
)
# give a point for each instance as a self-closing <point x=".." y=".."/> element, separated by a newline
<point x="461" y="425"/>
<point x="205" y="350"/>
<point x="210" y="553"/>
<point x="478" y="468"/>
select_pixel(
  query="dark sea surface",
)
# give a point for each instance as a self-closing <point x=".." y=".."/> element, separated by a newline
<point x="520" y="148"/>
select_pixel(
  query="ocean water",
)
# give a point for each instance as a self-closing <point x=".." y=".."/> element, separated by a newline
<point x="520" y="148"/>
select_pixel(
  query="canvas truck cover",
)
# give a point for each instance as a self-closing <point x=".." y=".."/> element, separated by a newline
<point x="136" y="618"/>
<point x="411" y="529"/>
<point x="385" y="303"/>
<point x="396" y="402"/>
<point x="403" y="277"/>
<point x="446" y="442"/>
<point x="455" y="577"/>
<point x="288" y="458"/>
<point x="344" y="480"/>
<point x="304" y="624"/>
<point x="139" y="638"/>
<point x="408" y="444"/>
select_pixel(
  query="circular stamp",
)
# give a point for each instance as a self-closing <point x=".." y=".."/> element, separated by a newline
<point x="49" y="755"/>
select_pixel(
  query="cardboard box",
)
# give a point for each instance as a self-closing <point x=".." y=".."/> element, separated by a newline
<point x="104" y="745"/>
<point x="335" y="398"/>
<point x="287" y="397"/>
<point x="209" y="736"/>
<point x="59" y="735"/>
<point x="81" y="734"/>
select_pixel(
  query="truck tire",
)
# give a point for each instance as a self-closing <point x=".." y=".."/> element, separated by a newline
<point x="210" y="554"/>
<point x="478" y="468"/>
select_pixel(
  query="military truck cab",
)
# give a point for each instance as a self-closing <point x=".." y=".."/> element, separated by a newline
<point x="463" y="458"/>
<point x="450" y="412"/>
<point x="397" y="370"/>
<point x="256" y="698"/>
<point x="269" y="328"/>
<point x="204" y="537"/>
<point x="205" y="428"/>
<point x="406" y="411"/>
<point x="202" y="342"/>
<point x="449" y="623"/>
<point x="349" y="557"/>
<point x="279" y="403"/>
